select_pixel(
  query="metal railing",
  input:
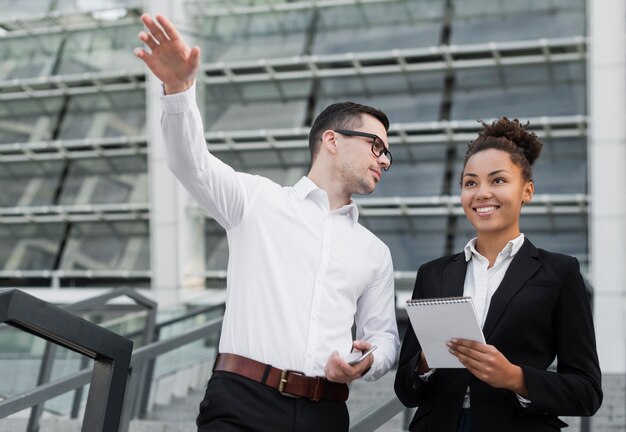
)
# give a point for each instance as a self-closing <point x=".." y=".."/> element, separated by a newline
<point x="141" y="374"/>
<point x="111" y="354"/>
<point x="376" y="415"/>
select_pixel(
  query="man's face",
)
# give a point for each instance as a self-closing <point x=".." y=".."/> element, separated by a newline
<point x="360" y="168"/>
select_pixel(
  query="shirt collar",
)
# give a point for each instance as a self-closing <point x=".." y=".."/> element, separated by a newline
<point x="510" y="249"/>
<point x="306" y="187"/>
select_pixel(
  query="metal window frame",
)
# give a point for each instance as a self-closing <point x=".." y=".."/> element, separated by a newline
<point x="198" y="8"/>
<point x="276" y="139"/>
<point x="279" y="70"/>
<point x="75" y="213"/>
<point x="429" y="59"/>
<point x="52" y="23"/>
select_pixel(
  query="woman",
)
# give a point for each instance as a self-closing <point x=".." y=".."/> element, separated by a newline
<point x="532" y="304"/>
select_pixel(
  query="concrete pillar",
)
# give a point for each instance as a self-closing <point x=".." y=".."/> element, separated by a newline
<point x="607" y="177"/>
<point x="176" y="232"/>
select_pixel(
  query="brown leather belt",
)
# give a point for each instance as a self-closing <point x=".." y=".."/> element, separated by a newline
<point x="287" y="382"/>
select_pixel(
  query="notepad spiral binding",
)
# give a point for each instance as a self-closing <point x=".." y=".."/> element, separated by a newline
<point x="441" y="300"/>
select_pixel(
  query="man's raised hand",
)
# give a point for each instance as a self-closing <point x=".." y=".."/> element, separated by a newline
<point x="169" y="57"/>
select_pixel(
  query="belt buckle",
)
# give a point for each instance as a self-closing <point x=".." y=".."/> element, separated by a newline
<point x="283" y="382"/>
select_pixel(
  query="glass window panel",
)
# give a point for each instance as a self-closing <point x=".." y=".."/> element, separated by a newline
<point x="412" y="241"/>
<point x="381" y="14"/>
<point x="565" y="234"/>
<point x="106" y="181"/>
<point x="252" y="36"/>
<point x="383" y="85"/>
<point x="246" y="160"/>
<point x="404" y="98"/>
<point x="399" y="109"/>
<point x="285" y="177"/>
<point x="260" y="91"/>
<point x="520" y="91"/>
<point x="533" y="74"/>
<point x="377" y="27"/>
<point x="258" y="115"/>
<point x="105" y="115"/>
<point x="23" y="8"/>
<point x="95" y="5"/>
<point x="554" y="177"/>
<point x="404" y="36"/>
<point x="28" y="57"/>
<point x="268" y="23"/>
<point x="29" y="246"/>
<point x="29" y="120"/>
<point x="416" y="153"/>
<point x="20" y="361"/>
<point x="107" y="246"/>
<point x="96" y="50"/>
<point x="505" y="26"/>
<point x="216" y="246"/>
<point x="29" y="183"/>
<point x="421" y="179"/>
<point x="258" y="47"/>
<point x="526" y="101"/>
<point x="481" y="8"/>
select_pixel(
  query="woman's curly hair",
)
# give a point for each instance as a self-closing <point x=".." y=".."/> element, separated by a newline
<point x="509" y="136"/>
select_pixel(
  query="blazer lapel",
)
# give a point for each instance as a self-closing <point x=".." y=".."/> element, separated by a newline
<point x="454" y="277"/>
<point x="524" y="265"/>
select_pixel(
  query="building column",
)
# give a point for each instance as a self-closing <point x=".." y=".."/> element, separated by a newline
<point x="606" y="74"/>
<point x="176" y="231"/>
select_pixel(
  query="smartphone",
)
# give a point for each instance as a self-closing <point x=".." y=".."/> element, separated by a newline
<point x="356" y="356"/>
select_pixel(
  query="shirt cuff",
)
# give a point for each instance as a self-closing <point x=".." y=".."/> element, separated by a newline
<point x="426" y="376"/>
<point x="523" y="401"/>
<point x="179" y="102"/>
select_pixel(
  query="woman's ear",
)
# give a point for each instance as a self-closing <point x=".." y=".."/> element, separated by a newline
<point x="529" y="191"/>
<point x="329" y="141"/>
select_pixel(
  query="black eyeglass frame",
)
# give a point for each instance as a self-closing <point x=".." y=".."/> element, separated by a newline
<point x="385" y="151"/>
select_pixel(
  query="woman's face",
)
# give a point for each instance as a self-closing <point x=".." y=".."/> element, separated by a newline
<point x="492" y="193"/>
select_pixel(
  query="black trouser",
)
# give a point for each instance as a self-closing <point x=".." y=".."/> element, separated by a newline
<point x="234" y="403"/>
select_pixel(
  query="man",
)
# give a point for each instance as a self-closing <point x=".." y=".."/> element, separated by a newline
<point x="301" y="270"/>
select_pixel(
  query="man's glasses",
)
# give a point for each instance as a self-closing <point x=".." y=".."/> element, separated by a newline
<point x="378" y="147"/>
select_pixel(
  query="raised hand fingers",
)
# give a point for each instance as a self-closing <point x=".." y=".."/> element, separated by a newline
<point x="150" y="41"/>
<point x="169" y="28"/>
<point x="155" y="31"/>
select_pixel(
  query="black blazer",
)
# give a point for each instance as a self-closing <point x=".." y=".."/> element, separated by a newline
<point x="540" y="311"/>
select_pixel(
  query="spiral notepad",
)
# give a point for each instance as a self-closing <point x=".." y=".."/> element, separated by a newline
<point x="437" y="320"/>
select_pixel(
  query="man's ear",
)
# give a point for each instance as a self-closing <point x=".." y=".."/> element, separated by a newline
<point x="329" y="141"/>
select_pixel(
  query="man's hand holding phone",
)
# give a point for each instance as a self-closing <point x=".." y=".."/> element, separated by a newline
<point x="352" y="366"/>
<point x="358" y="356"/>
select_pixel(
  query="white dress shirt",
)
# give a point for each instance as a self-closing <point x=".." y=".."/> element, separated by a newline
<point x="299" y="274"/>
<point x="481" y="282"/>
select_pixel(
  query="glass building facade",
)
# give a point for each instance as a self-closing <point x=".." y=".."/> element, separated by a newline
<point x="73" y="134"/>
<point x="78" y="200"/>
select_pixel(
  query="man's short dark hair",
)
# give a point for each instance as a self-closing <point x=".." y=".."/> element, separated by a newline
<point x="342" y="115"/>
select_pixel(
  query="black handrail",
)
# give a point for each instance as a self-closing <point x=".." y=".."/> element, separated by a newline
<point x="45" y="369"/>
<point x="111" y="354"/>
